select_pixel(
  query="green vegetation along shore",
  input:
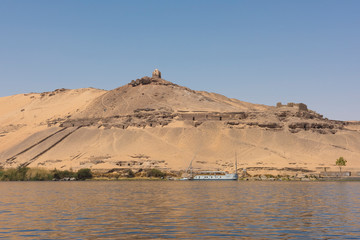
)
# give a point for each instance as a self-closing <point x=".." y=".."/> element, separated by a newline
<point x="41" y="174"/>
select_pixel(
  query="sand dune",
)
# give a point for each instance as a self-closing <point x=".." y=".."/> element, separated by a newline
<point x="154" y="123"/>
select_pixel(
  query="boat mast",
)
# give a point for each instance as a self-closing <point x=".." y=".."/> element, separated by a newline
<point x="235" y="162"/>
<point x="191" y="170"/>
<point x="190" y="166"/>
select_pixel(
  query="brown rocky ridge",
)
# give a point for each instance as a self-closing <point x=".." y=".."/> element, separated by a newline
<point x="153" y="123"/>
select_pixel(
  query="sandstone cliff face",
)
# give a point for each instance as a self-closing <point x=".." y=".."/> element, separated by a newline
<point x="153" y="123"/>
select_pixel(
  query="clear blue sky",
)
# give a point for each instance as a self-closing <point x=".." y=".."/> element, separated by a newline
<point x="257" y="51"/>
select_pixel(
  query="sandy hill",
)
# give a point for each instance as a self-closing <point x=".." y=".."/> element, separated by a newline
<point x="153" y="123"/>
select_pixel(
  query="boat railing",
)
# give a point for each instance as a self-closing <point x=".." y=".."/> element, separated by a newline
<point x="212" y="172"/>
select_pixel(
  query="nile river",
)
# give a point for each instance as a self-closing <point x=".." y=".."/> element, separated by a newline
<point x="179" y="209"/>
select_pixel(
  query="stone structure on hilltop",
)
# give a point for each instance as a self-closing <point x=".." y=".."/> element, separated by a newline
<point x="300" y="106"/>
<point x="156" y="78"/>
<point x="156" y="74"/>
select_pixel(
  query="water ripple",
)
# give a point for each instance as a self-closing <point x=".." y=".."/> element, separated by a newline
<point x="185" y="210"/>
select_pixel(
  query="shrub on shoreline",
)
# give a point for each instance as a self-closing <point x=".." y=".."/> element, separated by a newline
<point x="155" y="173"/>
<point x="58" y="174"/>
<point x="83" y="174"/>
<point x="41" y="174"/>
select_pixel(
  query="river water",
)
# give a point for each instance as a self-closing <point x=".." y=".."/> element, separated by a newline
<point x="179" y="209"/>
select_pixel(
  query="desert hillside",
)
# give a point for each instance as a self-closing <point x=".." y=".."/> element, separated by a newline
<point x="154" y="123"/>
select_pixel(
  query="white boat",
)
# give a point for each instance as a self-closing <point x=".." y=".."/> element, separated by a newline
<point x="215" y="175"/>
<point x="211" y="175"/>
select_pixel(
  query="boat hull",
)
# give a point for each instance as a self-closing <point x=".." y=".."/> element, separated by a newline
<point x="211" y="177"/>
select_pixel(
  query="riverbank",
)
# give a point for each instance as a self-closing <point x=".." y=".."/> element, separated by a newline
<point x="296" y="179"/>
<point x="40" y="174"/>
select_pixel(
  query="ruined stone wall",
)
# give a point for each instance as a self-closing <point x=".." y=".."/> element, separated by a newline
<point x="290" y="120"/>
<point x="140" y="118"/>
<point x="300" y="106"/>
<point x="212" y="116"/>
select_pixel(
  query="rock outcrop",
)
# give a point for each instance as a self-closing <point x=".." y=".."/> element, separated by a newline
<point x="141" y="81"/>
